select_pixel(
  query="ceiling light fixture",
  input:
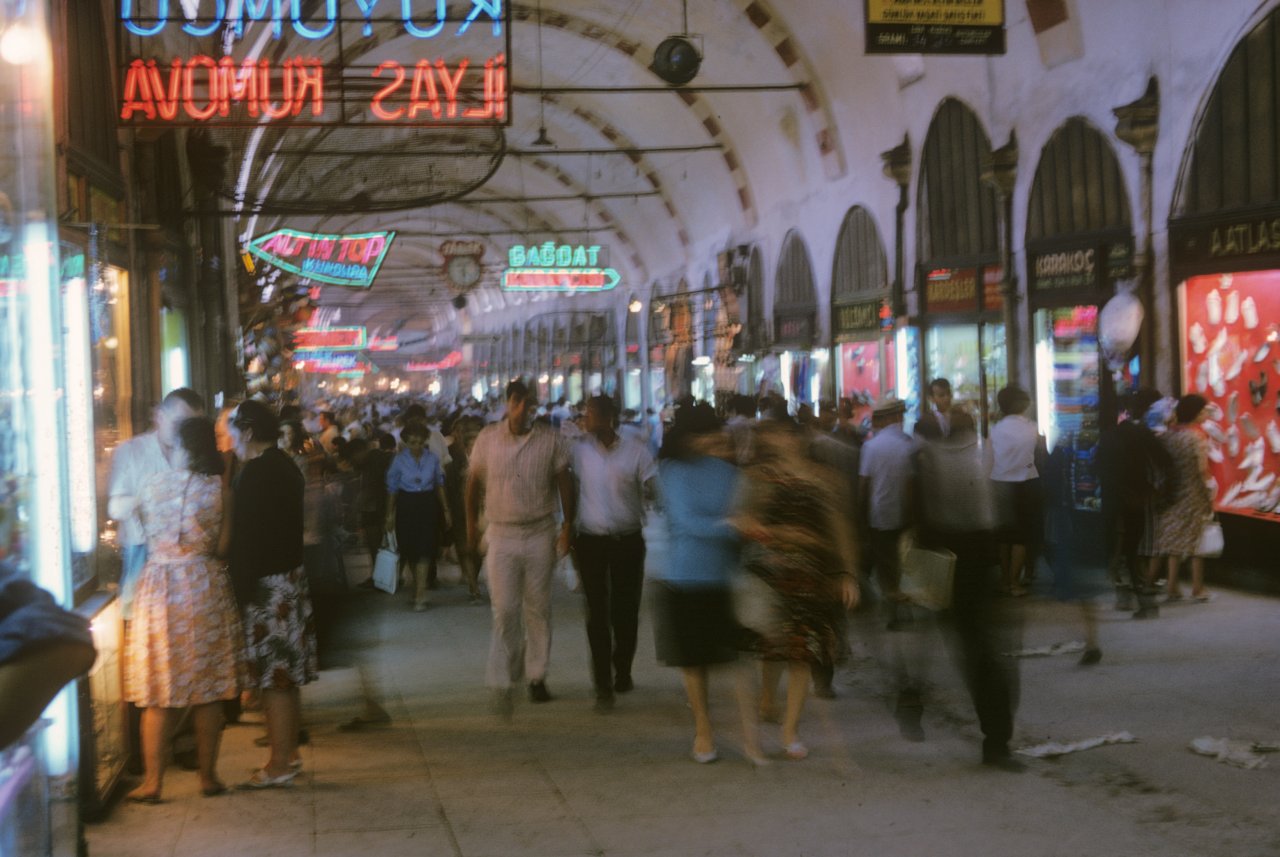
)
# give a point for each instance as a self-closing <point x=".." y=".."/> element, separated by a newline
<point x="542" y="139"/>
<point x="677" y="60"/>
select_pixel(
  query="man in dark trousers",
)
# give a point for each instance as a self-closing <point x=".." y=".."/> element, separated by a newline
<point x="613" y="475"/>
<point x="1132" y="464"/>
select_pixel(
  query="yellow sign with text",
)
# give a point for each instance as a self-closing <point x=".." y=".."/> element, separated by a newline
<point x="936" y="12"/>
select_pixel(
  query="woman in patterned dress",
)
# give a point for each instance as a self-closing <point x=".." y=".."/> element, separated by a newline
<point x="185" y="647"/>
<point x="271" y="586"/>
<point x="1179" y="525"/>
<point x="797" y="546"/>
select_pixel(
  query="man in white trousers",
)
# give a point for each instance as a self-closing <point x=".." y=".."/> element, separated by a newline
<point x="518" y="468"/>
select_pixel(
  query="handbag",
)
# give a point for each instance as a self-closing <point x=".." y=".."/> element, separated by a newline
<point x="928" y="575"/>
<point x="386" y="573"/>
<point x="755" y="604"/>
<point x="1211" y="540"/>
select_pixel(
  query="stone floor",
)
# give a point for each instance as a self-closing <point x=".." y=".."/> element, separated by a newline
<point x="447" y="777"/>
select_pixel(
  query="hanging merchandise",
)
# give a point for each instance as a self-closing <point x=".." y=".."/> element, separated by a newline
<point x="1231" y="356"/>
<point x="1118" y="326"/>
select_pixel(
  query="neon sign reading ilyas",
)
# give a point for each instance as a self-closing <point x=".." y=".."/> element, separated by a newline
<point x="552" y="267"/>
<point x="341" y="260"/>
<point x="461" y="79"/>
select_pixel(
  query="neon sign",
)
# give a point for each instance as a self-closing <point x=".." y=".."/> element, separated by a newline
<point x="456" y="71"/>
<point x="384" y="343"/>
<point x="332" y="363"/>
<point x="341" y="260"/>
<point x="450" y="361"/>
<point x="552" y="267"/>
<point x="329" y="339"/>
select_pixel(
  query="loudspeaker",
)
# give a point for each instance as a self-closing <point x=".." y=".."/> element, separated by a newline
<point x="460" y="302"/>
<point x="676" y="61"/>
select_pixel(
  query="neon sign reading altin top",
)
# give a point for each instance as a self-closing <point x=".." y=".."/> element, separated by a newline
<point x="448" y="66"/>
<point x="552" y="267"/>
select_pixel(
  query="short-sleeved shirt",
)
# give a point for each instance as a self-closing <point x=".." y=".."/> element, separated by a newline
<point x="519" y="472"/>
<point x="1013" y="449"/>
<point x="611" y="484"/>
<point x="887" y="463"/>
<point x="132" y="464"/>
<point x="414" y="475"/>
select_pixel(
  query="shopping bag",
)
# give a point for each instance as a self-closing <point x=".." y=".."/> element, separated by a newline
<point x="1211" y="541"/>
<point x="386" y="567"/>
<point x="928" y="576"/>
<point x="755" y="604"/>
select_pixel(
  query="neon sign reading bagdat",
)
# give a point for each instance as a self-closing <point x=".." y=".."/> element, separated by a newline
<point x="552" y="267"/>
<point x="462" y="80"/>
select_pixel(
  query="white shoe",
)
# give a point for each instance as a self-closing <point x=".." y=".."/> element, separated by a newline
<point x="1199" y="342"/>
<point x="1273" y="437"/>
<point x="1232" y="315"/>
<point x="1213" y="306"/>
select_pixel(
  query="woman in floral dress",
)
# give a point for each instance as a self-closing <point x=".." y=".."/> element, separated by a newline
<point x="185" y="646"/>
<point x="797" y="546"/>
<point x="1179" y="524"/>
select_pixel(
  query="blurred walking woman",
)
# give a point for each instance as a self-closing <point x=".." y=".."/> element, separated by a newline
<point x="415" y="503"/>
<point x="1179" y="525"/>
<point x="185" y="647"/>
<point x="695" y="624"/>
<point x="266" y="567"/>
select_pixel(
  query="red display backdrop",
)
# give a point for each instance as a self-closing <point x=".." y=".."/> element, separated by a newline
<point x="1231" y="356"/>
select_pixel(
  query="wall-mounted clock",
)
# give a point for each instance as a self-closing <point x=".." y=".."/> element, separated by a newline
<point x="463" y="271"/>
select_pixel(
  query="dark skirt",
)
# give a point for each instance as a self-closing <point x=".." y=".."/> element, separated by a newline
<point x="417" y="524"/>
<point x="1020" y="508"/>
<point x="694" y="626"/>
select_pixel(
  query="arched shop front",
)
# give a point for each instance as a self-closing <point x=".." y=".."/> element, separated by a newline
<point x="861" y="319"/>
<point x="801" y="368"/>
<point x="659" y="337"/>
<point x="633" y="364"/>
<point x="1224" y="254"/>
<point x="959" y="274"/>
<point x="756" y="338"/>
<point x="1079" y="244"/>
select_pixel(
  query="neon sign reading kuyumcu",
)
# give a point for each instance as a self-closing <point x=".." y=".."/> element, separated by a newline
<point x="454" y="70"/>
<point x="552" y="267"/>
<point x="340" y="260"/>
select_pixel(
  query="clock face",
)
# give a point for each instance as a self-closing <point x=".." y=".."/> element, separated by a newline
<point x="463" y="271"/>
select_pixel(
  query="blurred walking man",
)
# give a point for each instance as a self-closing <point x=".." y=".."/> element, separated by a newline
<point x="517" y="468"/>
<point x="613" y="472"/>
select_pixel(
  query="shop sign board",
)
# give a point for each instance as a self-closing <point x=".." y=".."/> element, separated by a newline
<point x="1226" y="243"/>
<point x="951" y="290"/>
<point x="935" y="26"/>
<point x="449" y="65"/>
<point x="795" y="329"/>
<point x="449" y="361"/>
<point x="993" y="288"/>
<point x="863" y="317"/>
<point x="551" y="267"/>
<point x="340" y="260"/>
<point x="329" y="339"/>
<point x="1077" y="265"/>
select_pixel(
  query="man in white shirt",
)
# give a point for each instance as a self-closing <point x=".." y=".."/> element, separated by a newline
<point x="613" y="473"/>
<point x="133" y="463"/>
<point x="937" y="413"/>
<point x="886" y="466"/>
<point x="329" y="432"/>
<point x="518" y="468"/>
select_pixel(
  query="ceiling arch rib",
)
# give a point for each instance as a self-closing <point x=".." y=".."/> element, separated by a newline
<point x="817" y="105"/>
<point x="706" y="115"/>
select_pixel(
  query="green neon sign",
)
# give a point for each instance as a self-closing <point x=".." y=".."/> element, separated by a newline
<point x="340" y="260"/>
<point x="551" y="267"/>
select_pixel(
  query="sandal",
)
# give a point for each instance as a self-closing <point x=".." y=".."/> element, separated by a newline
<point x="262" y="780"/>
<point x="796" y="751"/>
<point x="148" y="799"/>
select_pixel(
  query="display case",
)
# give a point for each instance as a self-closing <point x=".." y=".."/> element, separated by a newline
<point x="24" y="797"/>
<point x="103" y="712"/>
<point x="1067" y="393"/>
<point x="1230" y="347"/>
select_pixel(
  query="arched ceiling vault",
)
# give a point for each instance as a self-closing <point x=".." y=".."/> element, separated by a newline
<point x="645" y="202"/>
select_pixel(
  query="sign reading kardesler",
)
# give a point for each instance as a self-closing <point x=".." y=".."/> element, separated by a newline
<point x="935" y="26"/>
<point x="340" y="260"/>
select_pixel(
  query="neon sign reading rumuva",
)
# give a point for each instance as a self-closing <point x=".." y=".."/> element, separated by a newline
<point x="455" y="71"/>
<point x="552" y="267"/>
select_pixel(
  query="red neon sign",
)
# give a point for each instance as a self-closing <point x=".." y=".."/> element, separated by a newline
<point x="329" y="339"/>
<point x="451" y="360"/>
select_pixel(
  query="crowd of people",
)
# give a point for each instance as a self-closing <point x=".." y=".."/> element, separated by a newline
<point x="234" y="533"/>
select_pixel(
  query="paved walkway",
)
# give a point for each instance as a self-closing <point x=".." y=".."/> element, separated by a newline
<point x="449" y="778"/>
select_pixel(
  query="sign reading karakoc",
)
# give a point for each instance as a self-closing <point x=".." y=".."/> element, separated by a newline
<point x="340" y="260"/>
<point x="452" y="68"/>
<point x="551" y="267"/>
